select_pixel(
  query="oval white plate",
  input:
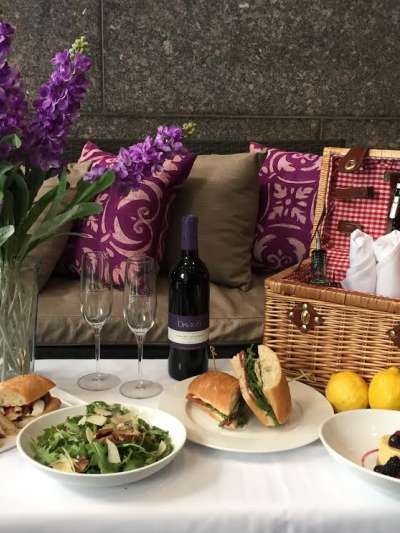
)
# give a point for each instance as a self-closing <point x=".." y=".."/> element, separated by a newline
<point x="310" y="408"/>
<point x="154" y="417"/>
<point x="349" y="435"/>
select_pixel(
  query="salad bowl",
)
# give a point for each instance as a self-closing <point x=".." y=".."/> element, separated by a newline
<point x="153" y="417"/>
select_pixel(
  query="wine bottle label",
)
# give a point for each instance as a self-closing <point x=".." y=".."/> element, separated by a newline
<point x="188" y="332"/>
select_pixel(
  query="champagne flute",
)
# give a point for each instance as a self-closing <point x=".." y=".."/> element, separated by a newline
<point x="96" y="305"/>
<point x="140" y="299"/>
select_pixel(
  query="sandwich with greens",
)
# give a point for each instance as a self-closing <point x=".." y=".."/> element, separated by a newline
<point x="218" y="394"/>
<point x="263" y="385"/>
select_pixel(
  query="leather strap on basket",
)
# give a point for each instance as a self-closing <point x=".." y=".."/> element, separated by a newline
<point x="353" y="160"/>
<point x="348" y="194"/>
<point x="305" y="317"/>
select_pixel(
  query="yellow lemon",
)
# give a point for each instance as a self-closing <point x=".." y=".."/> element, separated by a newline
<point x="384" y="389"/>
<point x="346" y="391"/>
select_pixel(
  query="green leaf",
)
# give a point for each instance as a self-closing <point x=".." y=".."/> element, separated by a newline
<point x="50" y="227"/>
<point x="5" y="233"/>
<point x="12" y="139"/>
<point x="6" y="166"/>
<point x="86" y="190"/>
<point x="56" y="206"/>
<point x="38" y="207"/>
<point x="20" y="191"/>
<point x="35" y="178"/>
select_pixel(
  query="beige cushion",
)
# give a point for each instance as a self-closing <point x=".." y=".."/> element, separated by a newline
<point x="222" y="190"/>
<point x="236" y="316"/>
<point x="47" y="253"/>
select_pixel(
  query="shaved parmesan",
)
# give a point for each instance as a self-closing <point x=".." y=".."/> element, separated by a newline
<point x="82" y="421"/>
<point x="113" y="453"/>
<point x="101" y="411"/>
<point x="97" y="420"/>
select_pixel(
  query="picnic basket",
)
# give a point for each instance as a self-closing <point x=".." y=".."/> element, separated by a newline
<point x="318" y="330"/>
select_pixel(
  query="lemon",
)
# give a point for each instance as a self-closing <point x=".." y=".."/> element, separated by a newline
<point x="384" y="389"/>
<point x="346" y="391"/>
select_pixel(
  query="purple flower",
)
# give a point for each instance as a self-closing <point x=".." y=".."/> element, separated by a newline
<point x="13" y="106"/>
<point x="6" y="33"/>
<point x="142" y="160"/>
<point x="57" y="106"/>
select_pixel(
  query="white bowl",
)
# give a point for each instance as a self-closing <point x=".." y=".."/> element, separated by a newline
<point x="349" y="435"/>
<point x="152" y="416"/>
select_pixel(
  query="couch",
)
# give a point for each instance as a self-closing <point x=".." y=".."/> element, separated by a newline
<point x="236" y="316"/>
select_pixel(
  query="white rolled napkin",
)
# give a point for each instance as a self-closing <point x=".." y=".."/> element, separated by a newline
<point x="387" y="253"/>
<point x="361" y="276"/>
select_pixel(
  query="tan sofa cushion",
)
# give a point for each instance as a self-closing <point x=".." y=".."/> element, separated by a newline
<point x="236" y="316"/>
<point x="222" y="190"/>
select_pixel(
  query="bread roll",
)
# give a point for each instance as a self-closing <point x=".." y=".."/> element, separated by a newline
<point x="23" y="390"/>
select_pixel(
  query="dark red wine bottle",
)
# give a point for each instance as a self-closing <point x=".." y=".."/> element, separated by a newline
<point x="189" y="302"/>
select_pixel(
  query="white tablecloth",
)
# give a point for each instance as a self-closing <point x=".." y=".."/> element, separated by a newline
<point x="203" y="490"/>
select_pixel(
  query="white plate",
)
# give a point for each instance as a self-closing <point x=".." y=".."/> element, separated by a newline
<point x="67" y="400"/>
<point x="349" y="435"/>
<point x="152" y="416"/>
<point x="310" y="408"/>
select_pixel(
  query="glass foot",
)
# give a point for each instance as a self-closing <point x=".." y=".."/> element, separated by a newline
<point x="98" y="381"/>
<point x="140" y="388"/>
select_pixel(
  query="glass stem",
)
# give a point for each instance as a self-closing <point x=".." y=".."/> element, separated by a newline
<point x="139" y="341"/>
<point x="97" y="332"/>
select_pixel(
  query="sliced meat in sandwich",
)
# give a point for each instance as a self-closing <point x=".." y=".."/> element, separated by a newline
<point x="263" y="385"/>
<point x="23" y="398"/>
<point x="218" y="394"/>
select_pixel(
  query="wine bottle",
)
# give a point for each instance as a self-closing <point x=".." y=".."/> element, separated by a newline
<point x="189" y="302"/>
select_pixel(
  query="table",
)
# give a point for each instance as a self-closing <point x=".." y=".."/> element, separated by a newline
<point x="203" y="490"/>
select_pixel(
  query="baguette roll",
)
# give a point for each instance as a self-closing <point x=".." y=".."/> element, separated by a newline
<point x="272" y="385"/>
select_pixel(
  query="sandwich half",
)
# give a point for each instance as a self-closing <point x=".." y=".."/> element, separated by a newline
<point x="219" y="395"/>
<point x="23" y="398"/>
<point x="263" y="385"/>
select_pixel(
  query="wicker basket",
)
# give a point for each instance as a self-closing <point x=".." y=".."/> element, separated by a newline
<point x="320" y="330"/>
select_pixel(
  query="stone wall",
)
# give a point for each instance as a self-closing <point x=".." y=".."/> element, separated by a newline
<point x="242" y="69"/>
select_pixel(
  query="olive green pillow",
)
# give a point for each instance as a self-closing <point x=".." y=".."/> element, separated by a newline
<point x="222" y="190"/>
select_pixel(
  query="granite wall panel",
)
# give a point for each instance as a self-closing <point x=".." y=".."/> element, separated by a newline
<point x="289" y="69"/>
<point x="43" y="27"/>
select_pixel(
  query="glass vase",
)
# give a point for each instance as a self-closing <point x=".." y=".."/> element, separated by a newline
<point x="18" y="311"/>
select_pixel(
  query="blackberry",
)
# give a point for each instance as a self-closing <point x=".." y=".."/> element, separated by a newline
<point x="391" y="468"/>
<point x="394" y="440"/>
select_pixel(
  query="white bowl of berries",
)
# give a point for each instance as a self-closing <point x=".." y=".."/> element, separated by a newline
<point x="368" y="442"/>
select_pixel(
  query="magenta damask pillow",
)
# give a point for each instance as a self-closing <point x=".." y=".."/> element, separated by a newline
<point x="134" y="222"/>
<point x="288" y="187"/>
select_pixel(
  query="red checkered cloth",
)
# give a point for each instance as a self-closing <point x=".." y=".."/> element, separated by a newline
<point x="372" y="214"/>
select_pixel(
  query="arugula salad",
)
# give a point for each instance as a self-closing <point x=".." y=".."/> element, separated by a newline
<point x="107" y="439"/>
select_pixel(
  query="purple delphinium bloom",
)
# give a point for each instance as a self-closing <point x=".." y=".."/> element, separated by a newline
<point x="142" y="160"/>
<point x="6" y="33"/>
<point x="57" y="106"/>
<point x="13" y="106"/>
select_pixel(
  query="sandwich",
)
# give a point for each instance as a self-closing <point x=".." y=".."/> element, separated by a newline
<point x="263" y="385"/>
<point x="23" y="398"/>
<point x="218" y="394"/>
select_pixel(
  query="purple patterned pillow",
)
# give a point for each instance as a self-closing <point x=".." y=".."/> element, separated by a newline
<point x="289" y="183"/>
<point x="134" y="222"/>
